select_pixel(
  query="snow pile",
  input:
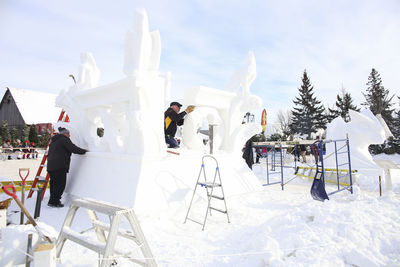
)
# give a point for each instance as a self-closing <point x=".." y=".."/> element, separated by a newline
<point x="268" y="228"/>
<point x="14" y="242"/>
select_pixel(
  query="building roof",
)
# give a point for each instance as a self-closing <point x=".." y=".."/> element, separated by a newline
<point x="36" y="107"/>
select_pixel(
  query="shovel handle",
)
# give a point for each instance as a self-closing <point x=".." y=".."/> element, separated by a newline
<point x="12" y="193"/>
<point x="26" y="176"/>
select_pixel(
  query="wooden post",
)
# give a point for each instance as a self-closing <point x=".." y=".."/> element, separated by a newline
<point x="22" y="201"/>
<point x="380" y="185"/>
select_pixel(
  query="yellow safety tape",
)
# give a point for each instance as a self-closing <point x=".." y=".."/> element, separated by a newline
<point x="17" y="185"/>
<point x="326" y="180"/>
<point x="327" y="169"/>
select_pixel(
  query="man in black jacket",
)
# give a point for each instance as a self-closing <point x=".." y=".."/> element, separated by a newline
<point x="58" y="161"/>
<point x="172" y="118"/>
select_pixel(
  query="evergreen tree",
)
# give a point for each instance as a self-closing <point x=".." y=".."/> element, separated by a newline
<point x="394" y="142"/>
<point x="378" y="101"/>
<point x="308" y="112"/>
<point x="4" y="132"/>
<point x="33" y="134"/>
<point x="344" y="102"/>
<point x="25" y="132"/>
<point x="14" y="133"/>
<point x="377" y="98"/>
<point x="44" y="139"/>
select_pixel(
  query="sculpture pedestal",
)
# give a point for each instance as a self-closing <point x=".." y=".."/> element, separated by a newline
<point x="150" y="184"/>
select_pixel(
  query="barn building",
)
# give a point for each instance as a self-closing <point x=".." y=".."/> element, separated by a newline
<point x="20" y="107"/>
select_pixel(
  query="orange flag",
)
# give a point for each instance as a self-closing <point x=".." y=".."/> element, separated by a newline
<point x="264" y="120"/>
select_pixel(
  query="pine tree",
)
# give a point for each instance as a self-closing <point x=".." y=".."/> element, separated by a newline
<point x="44" y="139"/>
<point x="14" y="134"/>
<point x="25" y="132"/>
<point x="33" y="134"/>
<point x="4" y="132"/>
<point x="395" y="141"/>
<point x="377" y="98"/>
<point x="308" y="112"/>
<point x="344" y="102"/>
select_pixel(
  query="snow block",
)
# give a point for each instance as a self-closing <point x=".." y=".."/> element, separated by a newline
<point x="150" y="184"/>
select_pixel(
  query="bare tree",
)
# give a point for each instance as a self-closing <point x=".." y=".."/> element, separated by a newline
<point x="284" y="120"/>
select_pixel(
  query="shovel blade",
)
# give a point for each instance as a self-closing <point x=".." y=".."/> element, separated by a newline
<point x="318" y="190"/>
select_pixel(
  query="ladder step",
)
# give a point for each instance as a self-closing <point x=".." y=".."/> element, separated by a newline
<point x="217" y="197"/>
<point x="209" y="184"/>
<point x="222" y="211"/>
<point x="105" y="208"/>
<point x="123" y="233"/>
<point x="195" y="221"/>
<point x="43" y="165"/>
<point x="40" y="177"/>
<point x="76" y="237"/>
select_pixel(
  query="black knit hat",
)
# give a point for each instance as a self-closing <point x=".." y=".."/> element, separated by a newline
<point x="176" y="104"/>
<point x="62" y="130"/>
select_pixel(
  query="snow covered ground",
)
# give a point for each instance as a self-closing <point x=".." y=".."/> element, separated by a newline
<point x="268" y="228"/>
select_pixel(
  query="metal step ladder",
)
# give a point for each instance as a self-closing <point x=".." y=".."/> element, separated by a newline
<point x="105" y="245"/>
<point x="211" y="186"/>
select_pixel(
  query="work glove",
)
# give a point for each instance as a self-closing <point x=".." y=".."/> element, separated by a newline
<point x="189" y="109"/>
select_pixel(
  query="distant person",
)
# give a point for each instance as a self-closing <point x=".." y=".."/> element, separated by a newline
<point x="296" y="152"/>
<point x="26" y="149"/>
<point x="34" y="153"/>
<point x="303" y="153"/>
<point x="58" y="161"/>
<point x="18" y="148"/>
<point x="172" y="118"/>
<point x="248" y="149"/>
<point x="7" y="147"/>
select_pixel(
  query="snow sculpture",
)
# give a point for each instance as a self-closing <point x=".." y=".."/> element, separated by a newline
<point x="142" y="48"/>
<point x="243" y="77"/>
<point x="89" y="73"/>
<point x="128" y="164"/>
<point x="363" y="130"/>
<point x="225" y="109"/>
<point x="123" y="108"/>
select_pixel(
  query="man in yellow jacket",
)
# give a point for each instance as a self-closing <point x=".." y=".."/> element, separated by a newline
<point x="172" y="118"/>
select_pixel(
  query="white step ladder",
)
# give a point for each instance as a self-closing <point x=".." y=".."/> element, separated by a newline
<point x="105" y="245"/>
<point x="209" y="186"/>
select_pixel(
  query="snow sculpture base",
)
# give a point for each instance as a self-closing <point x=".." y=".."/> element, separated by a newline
<point x="149" y="184"/>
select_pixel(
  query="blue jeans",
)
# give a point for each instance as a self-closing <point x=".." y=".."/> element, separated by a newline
<point x="170" y="140"/>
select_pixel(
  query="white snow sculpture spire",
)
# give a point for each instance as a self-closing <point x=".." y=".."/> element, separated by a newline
<point x="89" y="73"/>
<point x="226" y="109"/>
<point x="129" y="112"/>
<point x="244" y="76"/>
<point x="142" y="48"/>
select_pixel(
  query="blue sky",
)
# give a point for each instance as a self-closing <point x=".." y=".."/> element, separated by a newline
<point x="204" y="42"/>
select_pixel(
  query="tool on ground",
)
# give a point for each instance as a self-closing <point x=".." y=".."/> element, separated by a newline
<point x="63" y="118"/>
<point x="318" y="191"/>
<point x="23" y="183"/>
<point x="13" y="193"/>
<point x="173" y="152"/>
<point x="209" y="186"/>
<point x="40" y="188"/>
